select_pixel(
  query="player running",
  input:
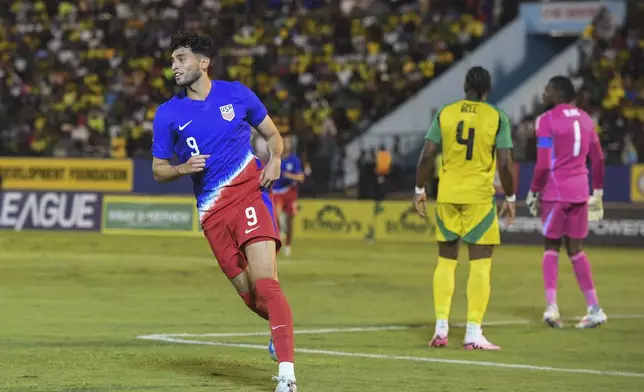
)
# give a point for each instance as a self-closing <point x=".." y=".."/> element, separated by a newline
<point x="565" y="138"/>
<point x="473" y="135"/>
<point x="285" y="191"/>
<point x="207" y="127"/>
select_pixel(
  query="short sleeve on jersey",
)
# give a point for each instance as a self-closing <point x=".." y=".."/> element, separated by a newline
<point x="504" y="135"/>
<point x="542" y="125"/>
<point x="256" y="111"/>
<point x="434" y="133"/>
<point x="162" y="143"/>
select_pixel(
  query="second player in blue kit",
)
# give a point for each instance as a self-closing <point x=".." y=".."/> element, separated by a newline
<point x="207" y="127"/>
<point x="285" y="192"/>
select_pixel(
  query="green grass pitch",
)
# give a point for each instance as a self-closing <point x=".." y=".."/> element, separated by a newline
<point x="73" y="304"/>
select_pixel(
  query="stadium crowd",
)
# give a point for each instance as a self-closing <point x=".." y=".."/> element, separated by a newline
<point x="83" y="78"/>
<point x="610" y="83"/>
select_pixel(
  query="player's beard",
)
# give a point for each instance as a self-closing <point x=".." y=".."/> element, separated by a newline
<point x="188" y="78"/>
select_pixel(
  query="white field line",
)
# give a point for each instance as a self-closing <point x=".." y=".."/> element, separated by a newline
<point x="324" y="331"/>
<point x="402" y="358"/>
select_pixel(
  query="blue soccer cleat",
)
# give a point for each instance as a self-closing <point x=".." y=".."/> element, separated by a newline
<point x="271" y="350"/>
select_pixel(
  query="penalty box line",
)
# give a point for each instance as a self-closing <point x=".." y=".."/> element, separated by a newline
<point x="400" y="357"/>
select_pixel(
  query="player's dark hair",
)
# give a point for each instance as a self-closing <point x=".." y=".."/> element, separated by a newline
<point x="564" y="88"/>
<point x="478" y="81"/>
<point x="199" y="44"/>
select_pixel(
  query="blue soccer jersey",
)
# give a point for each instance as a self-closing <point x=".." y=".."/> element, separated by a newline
<point x="291" y="164"/>
<point x="218" y="126"/>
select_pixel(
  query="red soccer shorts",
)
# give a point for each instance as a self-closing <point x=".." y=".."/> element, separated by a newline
<point x="230" y="230"/>
<point x="287" y="201"/>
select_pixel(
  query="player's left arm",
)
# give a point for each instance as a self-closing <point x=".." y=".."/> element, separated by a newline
<point x="503" y="144"/>
<point x="259" y="119"/>
<point x="426" y="162"/>
<point x="274" y="141"/>
<point x="275" y="146"/>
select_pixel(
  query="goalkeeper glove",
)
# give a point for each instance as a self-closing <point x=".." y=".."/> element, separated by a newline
<point x="532" y="201"/>
<point x="596" y="206"/>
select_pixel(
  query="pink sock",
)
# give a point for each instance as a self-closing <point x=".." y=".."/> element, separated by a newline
<point x="585" y="277"/>
<point x="550" y="266"/>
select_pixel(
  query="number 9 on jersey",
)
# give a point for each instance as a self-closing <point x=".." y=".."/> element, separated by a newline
<point x="192" y="143"/>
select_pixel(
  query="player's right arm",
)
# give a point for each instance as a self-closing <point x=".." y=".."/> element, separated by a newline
<point x="545" y="144"/>
<point x="544" y="153"/>
<point x="162" y="153"/>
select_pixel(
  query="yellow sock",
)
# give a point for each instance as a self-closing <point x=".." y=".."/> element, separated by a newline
<point x="443" y="287"/>
<point x="478" y="290"/>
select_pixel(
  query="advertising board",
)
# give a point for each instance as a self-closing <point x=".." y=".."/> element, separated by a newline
<point x="621" y="226"/>
<point x="20" y="210"/>
<point x="67" y="174"/>
<point x="567" y="17"/>
<point x="149" y="215"/>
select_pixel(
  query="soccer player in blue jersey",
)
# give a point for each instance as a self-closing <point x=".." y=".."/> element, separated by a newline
<point x="207" y="126"/>
<point x="285" y="191"/>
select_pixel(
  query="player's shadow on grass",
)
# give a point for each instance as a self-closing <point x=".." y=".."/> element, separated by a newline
<point x="238" y="372"/>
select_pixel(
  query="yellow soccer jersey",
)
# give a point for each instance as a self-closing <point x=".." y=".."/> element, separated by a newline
<point x="469" y="132"/>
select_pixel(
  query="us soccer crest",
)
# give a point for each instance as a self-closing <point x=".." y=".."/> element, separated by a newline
<point x="227" y="112"/>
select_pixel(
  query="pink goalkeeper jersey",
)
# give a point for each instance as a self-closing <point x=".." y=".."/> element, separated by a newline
<point x="565" y="139"/>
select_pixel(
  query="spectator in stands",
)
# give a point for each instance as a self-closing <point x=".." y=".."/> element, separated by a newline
<point x="382" y="170"/>
<point x="367" y="174"/>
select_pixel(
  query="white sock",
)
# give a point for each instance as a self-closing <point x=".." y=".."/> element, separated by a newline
<point x="442" y="327"/>
<point x="286" y="369"/>
<point x="472" y="331"/>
